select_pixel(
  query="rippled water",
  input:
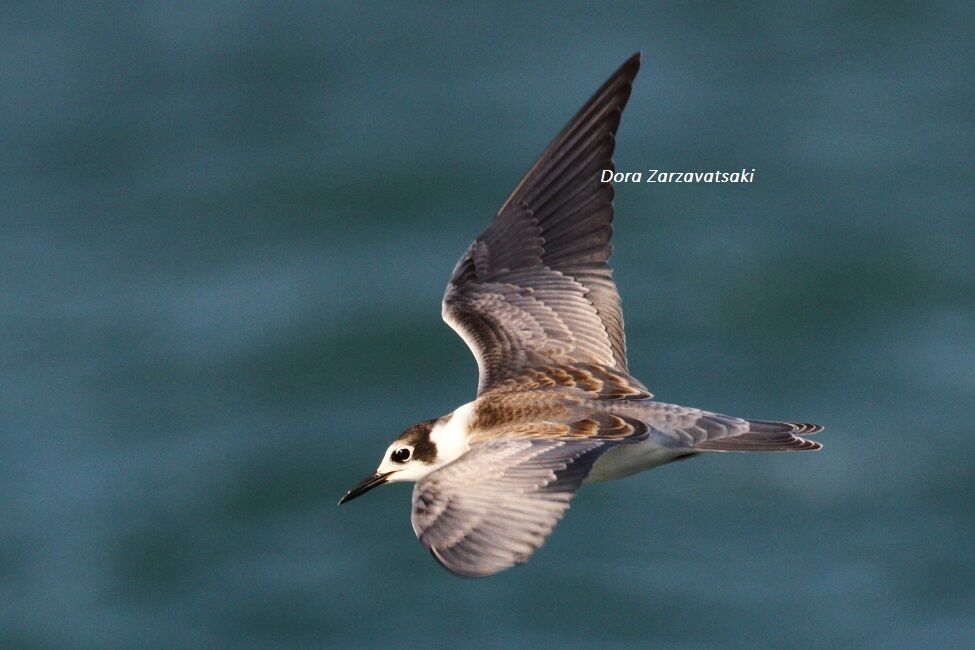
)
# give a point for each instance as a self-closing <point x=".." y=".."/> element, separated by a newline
<point x="226" y="231"/>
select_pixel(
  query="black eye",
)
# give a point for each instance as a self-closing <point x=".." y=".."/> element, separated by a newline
<point x="400" y="455"/>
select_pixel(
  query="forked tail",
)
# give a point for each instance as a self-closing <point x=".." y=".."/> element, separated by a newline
<point x="764" y="435"/>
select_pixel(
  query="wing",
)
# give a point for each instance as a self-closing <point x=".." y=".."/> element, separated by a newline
<point x="494" y="506"/>
<point x="536" y="287"/>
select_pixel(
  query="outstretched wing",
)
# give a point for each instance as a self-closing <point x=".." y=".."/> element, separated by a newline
<point x="495" y="505"/>
<point x="536" y="287"/>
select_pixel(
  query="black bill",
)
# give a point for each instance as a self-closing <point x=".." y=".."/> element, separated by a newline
<point x="364" y="486"/>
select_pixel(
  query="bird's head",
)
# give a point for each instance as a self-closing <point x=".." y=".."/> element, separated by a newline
<point x="412" y="456"/>
<point x="421" y="449"/>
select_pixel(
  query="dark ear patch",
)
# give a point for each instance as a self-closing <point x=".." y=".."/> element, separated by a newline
<point x="418" y="436"/>
<point x="425" y="451"/>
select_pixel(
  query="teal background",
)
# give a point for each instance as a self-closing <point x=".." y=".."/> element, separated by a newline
<point x="225" y="234"/>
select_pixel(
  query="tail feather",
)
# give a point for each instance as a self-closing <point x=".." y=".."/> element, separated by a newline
<point x="764" y="435"/>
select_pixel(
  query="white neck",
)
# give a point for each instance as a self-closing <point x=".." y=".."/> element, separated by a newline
<point x="451" y="434"/>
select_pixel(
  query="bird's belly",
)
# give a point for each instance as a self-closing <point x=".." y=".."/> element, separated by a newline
<point x="627" y="459"/>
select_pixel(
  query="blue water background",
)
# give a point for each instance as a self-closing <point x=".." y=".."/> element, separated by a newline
<point x="225" y="234"/>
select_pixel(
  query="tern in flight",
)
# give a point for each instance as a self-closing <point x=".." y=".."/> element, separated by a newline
<point x="534" y="299"/>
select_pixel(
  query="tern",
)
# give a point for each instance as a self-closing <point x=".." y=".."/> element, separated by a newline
<point x="534" y="299"/>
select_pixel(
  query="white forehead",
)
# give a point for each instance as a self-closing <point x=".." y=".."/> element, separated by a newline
<point x="411" y="470"/>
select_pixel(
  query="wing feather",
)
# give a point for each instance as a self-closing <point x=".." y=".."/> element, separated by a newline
<point x="535" y="288"/>
<point x="495" y="506"/>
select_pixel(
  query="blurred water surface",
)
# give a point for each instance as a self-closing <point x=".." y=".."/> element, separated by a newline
<point x="226" y="230"/>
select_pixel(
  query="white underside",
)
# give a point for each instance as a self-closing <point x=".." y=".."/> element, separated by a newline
<point x="626" y="459"/>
